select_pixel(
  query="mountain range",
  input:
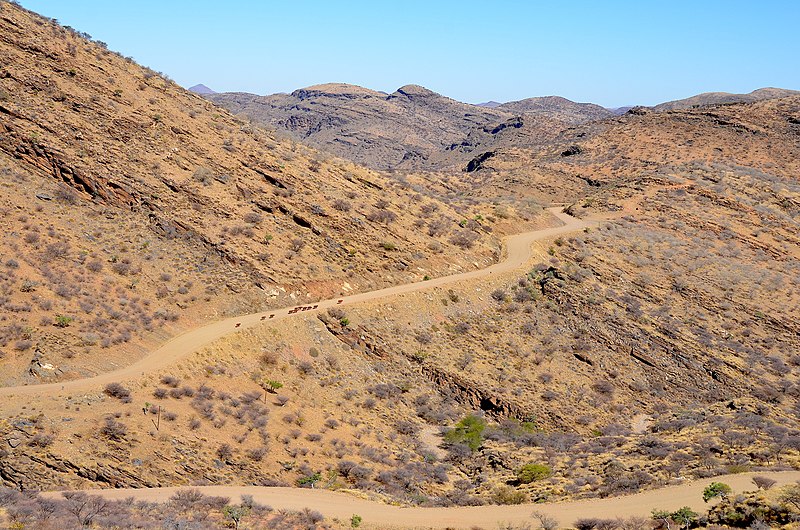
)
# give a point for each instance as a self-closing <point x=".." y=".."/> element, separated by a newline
<point x="415" y="128"/>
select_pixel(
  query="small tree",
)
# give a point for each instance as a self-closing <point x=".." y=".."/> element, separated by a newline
<point x="545" y="521"/>
<point x="85" y="507"/>
<point x="236" y="513"/>
<point x="716" y="489"/>
<point x="271" y="386"/>
<point x="763" y="483"/>
<point x="790" y="495"/>
<point x="684" y="517"/>
<point x="664" y="517"/>
<point x="468" y="431"/>
<point x="309" y="480"/>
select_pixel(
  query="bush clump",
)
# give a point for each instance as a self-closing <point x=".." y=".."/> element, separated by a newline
<point x="116" y="390"/>
<point x="468" y="431"/>
<point x="532" y="472"/>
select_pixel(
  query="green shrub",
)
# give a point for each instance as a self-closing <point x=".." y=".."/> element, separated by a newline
<point x="62" y="321"/>
<point x="533" y="472"/>
<point x="508" y="495"/>
<point x="309" y="480"/>
<point x="716" y="489"/>
<point x="271" y="385"/>
<point x="468" y="431"/>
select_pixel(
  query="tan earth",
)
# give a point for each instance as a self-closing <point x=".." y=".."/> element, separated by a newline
<point x="518" y="250"/>
<point x="341" y="506"/>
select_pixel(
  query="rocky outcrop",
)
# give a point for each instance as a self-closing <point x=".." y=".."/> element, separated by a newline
<point x="477" y="163"/>
<point x="460" y="387"/>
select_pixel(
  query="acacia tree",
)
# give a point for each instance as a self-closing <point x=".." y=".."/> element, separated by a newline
<point x="790" y="495"/>
<point x="236" y="513"/>
<point x="763" y="483"/>
<point x="85" y="507"/>
<point x="684" y="517"/>
<point x="716" y="489"/>
<point x="545" y="521"/>
<point x="664" y="517"/>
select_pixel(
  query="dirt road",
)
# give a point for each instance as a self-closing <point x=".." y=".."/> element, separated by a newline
<point x="342" y="506"/>
<point x="517" y="253"/>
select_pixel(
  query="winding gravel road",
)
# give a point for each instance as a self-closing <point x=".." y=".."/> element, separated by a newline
<point x="341" y="505"/>
<point x="517" y="253"/>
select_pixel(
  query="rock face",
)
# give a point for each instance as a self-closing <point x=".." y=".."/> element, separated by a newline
<point x="411" y="128"/>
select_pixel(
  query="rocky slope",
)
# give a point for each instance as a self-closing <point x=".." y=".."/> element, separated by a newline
<point x="411" y="128"/>
<point x="128" y="200"/>
<point x="722" y="98"/>
<point x="557" y="107"/>
<point x="371" y="128"/>
<point x="664" y="342"/>
<point x="660" y="345"/>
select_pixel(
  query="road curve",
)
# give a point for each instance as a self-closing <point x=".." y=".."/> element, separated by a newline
<point x="341" y="505"/>
<point x="517" y="253"/>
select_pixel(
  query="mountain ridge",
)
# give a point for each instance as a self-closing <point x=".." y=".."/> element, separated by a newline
<point x="413" y="127"/>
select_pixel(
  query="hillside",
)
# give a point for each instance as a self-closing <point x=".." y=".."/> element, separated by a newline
<point x="371" y="128"/>
<point x="657" y="345"/>
<point x="554" y="106"/>
<point x="644" y="331"/>
<point x="134" y="208"/>
<point x="412" y="128"/>
<point x="723" y="98"/>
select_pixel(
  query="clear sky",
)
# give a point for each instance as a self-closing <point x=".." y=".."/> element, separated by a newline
<point x="611" y="52"/>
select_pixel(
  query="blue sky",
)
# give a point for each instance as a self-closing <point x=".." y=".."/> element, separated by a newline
<point x="609" y="52"/>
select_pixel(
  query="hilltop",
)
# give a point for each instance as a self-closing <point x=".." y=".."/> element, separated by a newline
<point x="369" y="127"/>
<point x="724" y="98"/>
<point x="563" y="109"/>
<point x="411" y="128"/>
<point x="201" y="89"/>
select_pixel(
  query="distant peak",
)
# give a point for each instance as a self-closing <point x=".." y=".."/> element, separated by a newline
<point x="201" y="89"/>
<point x="335" y="90"/>
<point x="412" y="91"/>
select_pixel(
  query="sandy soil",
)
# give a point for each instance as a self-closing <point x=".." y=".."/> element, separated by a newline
<point x="341" y="505"/>
<point x="517" y="253"/>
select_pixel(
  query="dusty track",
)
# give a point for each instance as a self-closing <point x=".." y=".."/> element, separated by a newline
<point x="375" y="514"/>
<point x="342" y="506"/>
<point x="517" y="253"/>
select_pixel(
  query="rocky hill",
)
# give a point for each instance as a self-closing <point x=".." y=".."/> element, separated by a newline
<point x="371" y="128"/>
<point x="412" y="128"/>
<point x="722" y="98"/>
<point x="130" y="204"/>
<point x="661" y="344"/>
<point x="201" y="89"/>
<point x="557" y="107"/>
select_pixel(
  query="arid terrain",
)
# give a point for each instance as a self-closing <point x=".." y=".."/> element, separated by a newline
<point x="540" y="304"/>
<point x="411" y="128"/>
